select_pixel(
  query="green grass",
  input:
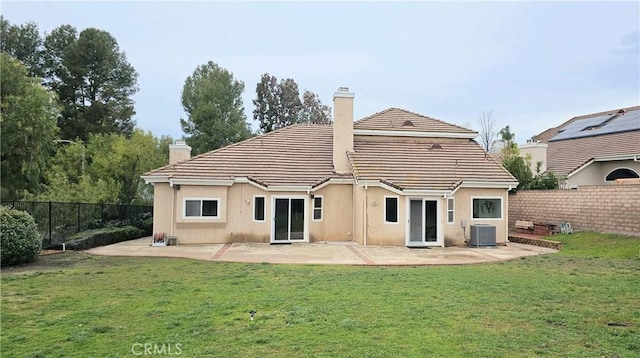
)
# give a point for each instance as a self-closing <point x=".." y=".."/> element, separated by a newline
<point x="74" y="304"/>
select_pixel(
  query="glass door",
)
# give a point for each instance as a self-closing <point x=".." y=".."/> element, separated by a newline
<point x="423" y="222"/>
<point x="288" y="220"/>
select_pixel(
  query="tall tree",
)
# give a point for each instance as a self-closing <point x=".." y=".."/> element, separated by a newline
<point x="313" y="111"/>
<point x="507" y="137"/>
<point x="94" y="80"/>
<point x="267" y="103"/>
<point x="28" y="115"/>
<point x="290" y="104"/>
<point x="278" y="105"/>
<point x="487" y="130"/>
<point x="24" y="43"/>
<point x="212" y="100"/>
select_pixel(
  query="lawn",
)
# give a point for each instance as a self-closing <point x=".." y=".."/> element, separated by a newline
<point x="581" y="302"/>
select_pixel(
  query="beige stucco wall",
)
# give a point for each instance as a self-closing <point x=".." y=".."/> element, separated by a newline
<point x="162" y="199"/>
<point x="596" y="173"/>
<point x="337" y="214"/>
<point x="342" y="130"/>
<point x="377" y="231"/>
<point x="236" y="214"/>
<point x="340" y="222"/>
<point x="538" y="152"/>
<point x="453" y="233"/>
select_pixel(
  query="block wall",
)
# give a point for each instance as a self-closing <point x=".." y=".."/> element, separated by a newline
<point x="601" y="208"/>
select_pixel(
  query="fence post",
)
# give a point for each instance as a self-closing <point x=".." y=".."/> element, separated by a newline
<point x="50" y="223"/>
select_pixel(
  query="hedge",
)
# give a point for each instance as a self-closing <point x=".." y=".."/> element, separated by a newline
<point x="19" y="238"/>
<point x="101" y="237"/>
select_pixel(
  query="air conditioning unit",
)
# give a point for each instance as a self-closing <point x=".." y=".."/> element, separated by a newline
<point x="482" y="235"/>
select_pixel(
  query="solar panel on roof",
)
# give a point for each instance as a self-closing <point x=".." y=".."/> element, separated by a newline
<point x="605" y="124"/>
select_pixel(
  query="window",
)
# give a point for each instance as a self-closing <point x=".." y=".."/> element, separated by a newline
<point x="487" y="208"/>
<point x="258" y="208"/>
<point x="391" y="209"/>
<point x="199" y="208"/>
<point x="621" y="173"/>
<point x="317" y="208"/>
<point x="450" y="217"/>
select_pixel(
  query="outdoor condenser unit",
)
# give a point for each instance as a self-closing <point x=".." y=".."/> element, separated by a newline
<point x="482" y="235"/>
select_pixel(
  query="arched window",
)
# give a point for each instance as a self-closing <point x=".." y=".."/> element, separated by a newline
<point x="621" y="173"/>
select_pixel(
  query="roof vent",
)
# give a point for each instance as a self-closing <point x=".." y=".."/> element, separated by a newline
<point x="407" y="123"/>
<point x="436" y="146"/>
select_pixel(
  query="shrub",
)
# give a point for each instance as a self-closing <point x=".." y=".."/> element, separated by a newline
<point x="19" y="238"/>
<point x="105" y="236"/>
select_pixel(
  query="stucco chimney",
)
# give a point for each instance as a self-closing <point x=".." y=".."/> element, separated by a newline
<point x="342" y="129"/>
<point x="179" y="152"/>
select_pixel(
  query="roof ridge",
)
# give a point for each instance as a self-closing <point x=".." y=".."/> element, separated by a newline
<point x="375" y="114"/>
<point x="415" y="114"/>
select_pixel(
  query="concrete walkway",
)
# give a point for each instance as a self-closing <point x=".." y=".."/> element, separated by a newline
<point x="343" y="253"/>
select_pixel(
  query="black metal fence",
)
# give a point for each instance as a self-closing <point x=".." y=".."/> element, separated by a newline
<point x="56" y="220"/>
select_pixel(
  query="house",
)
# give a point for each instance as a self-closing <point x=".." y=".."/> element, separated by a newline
<point x="593" y="149"/>
<point x="392" y="178"/>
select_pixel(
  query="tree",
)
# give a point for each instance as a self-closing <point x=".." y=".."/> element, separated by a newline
<point x="112" y="173"/>
<point x="28" y="115"/>
<point x="94" y="82"/>
<point x="520" y="167"/>
<point x="290" y="104"/>
<point x="266" y="103"/>
<point x="24" y="44"/>
<point x="313" y="111"/>
<point x="212" y="100"/>
<point x="278" y="105"/>
<point x="487" y="130"/>
<point x="507" y="137"/>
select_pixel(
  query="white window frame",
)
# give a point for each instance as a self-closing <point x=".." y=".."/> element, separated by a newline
<point x="492" y="198"/>
<point x="264" y="208"/>
<point x="184" y="208"/>
<point x="451" y="210"/>
<point x="384" y="211"/>
<point x="313" y="207"/>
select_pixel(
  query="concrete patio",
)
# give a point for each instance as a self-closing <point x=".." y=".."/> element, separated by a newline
<point x="342" y="253"/>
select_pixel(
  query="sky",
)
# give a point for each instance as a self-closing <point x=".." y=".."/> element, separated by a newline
<point x="534" y="65"/>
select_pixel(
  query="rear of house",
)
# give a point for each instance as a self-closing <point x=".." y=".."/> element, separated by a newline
<point x="393" y="178"/>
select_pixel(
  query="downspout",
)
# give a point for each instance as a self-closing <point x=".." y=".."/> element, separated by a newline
<point x="173" y="211"/>
<point x="364" y="212"/>
<point x="506" y="215"/>
<point x="354" y="203"/>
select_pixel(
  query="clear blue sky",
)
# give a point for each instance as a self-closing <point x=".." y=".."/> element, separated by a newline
<point x="534" y="65"/>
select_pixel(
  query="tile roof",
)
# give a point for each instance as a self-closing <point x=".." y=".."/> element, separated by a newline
<point x="299" y="155"/>
<point x="424" y="163"/>
<point x="552" y="132"/>
<point x="396" y="119"/>
<point x="302" y="154"/>
<point x="564" y="156"/>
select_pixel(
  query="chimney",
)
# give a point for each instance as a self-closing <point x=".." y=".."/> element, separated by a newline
<point x="342" y="129"/>
<point x="179" y="152"/>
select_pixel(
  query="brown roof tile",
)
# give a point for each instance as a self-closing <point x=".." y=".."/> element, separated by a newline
<point x="564" y="156"/>
<point x="402" y="120"/>
<point x="414" y="163"/>
<point x="552" y="132"/>
<point x="299" y="154"/>
<point x="303" y="155"/>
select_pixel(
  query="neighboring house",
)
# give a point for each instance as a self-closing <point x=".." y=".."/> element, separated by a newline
<point x="592" y="149"/>
<point x="393" y="178"/>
